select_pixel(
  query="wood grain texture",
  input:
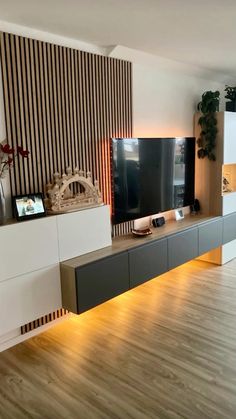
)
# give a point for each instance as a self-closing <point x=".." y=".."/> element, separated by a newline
<point x="64" y="105"/>
<point x="165" y="350"/>
<point x="129" y="241"/>
<point x="208" y="174"/>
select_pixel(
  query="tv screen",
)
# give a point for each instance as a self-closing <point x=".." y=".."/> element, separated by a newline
<point x="151" y="175"/>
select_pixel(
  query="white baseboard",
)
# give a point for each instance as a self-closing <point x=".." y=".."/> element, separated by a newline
<point x="14" y="337"/>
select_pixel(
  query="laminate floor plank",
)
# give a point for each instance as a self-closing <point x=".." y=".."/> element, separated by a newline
<point x="164" y="350"/>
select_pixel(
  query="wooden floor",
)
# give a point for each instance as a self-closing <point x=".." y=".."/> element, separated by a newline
<point x="166" y="349"/>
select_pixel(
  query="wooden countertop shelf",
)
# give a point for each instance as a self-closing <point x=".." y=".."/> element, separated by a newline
<point x="126" y="242"/>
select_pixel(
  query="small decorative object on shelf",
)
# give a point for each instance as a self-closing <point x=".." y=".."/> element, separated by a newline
<point x="231" y="96"/>
<point x="158" y="222"/>
<point x="63" y="196"/>
<point x="206" y="142"/>
<point x="26" y="207"/>
<point x="7" y="155"/>
<point x="225" y="185"/>
<point x="142" y="232"/>
<point x="179" y="215"/>
<point x="195" y="208"/>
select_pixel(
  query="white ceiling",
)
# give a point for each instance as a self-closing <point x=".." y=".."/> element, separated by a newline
<point x="199" y="32"/>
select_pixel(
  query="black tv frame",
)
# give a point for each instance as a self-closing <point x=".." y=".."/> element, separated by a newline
<point x="119" y="220"/>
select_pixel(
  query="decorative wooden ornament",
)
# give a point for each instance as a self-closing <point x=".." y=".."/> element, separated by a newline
<point x="63" y="196"/>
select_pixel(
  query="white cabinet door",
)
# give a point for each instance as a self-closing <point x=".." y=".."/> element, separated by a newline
<point x="83" y="231"/>
<point x="229" y="203"/>
<point x="229" y="138"/>
<point x="27" y="246"/>
<point x="29" y="297"/>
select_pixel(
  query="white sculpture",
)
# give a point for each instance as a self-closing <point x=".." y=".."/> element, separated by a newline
<point x="61" y="197"/>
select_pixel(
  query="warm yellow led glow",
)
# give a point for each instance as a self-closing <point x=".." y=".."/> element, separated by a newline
<point x="151" y="131"/>
<point x="120" y="313"/>
<point x="144" y="313"/>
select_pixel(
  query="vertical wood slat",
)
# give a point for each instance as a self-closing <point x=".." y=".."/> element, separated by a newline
<point x="23" y="169"/>
<point x="43" y="320"/>
<point x="16" y="105"/>
<point x="14" y="182"/>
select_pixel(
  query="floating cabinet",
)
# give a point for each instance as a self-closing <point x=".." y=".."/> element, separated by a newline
<point x="92" y="279"/>
<point x="182" y="247"/>
<point x="147" y="262"/>
<point x="229" y="228"/>
<point x="30" y="253"/>
<point x="210" y="236"/>
<point x="101" y="280"/>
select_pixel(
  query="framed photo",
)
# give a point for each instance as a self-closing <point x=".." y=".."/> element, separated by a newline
<point x="29" y="206"/>
<point x="179" y="215"/>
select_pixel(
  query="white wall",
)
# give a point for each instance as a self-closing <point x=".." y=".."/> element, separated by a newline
<point x="50" y="37"/>
<point x="165" y="92"/>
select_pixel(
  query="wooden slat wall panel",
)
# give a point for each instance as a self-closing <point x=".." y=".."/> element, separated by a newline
<point x="63" y="105"/>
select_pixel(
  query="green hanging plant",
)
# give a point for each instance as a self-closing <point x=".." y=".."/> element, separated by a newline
<point x="206" y="142"/>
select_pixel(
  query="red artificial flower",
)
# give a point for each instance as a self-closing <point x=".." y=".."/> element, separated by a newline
<point x="6" y="164"/>
<point x="22" y="152"/>
<point x="6" y="149"/>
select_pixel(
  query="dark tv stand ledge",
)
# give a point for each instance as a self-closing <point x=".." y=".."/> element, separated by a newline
<point x="96" y="277"/>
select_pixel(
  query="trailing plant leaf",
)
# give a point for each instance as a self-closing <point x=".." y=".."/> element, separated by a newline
<point x="201" y="153"/>
<point x="212" y="156"/>
<point x="208" y="123"/>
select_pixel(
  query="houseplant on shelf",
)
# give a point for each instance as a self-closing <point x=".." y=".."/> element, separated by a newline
<point x="231" y="96"/>
<point x="206" y="142"/>
<point x="7" y="155"/>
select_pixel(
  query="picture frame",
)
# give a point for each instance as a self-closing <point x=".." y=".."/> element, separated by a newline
<point x="179" y="215"/>
<point x="28" y="206"/>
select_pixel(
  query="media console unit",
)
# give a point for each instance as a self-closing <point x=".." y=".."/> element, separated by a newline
<point x="98" y="276"/>
<point x="30" y="256"/>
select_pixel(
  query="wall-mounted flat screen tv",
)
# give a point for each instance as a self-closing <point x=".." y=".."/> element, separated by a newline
<point x="151" y="175"/>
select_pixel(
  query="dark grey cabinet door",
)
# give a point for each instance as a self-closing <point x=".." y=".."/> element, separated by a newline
<point x="229" y="228"/>
<point x="210" y="236"/>
<point x="182" y="247"/>
<point x="147" y="261"/>
<point x="101" y="280"/>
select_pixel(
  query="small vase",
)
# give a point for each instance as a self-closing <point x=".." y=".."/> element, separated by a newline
<point x="2" y="205"/>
